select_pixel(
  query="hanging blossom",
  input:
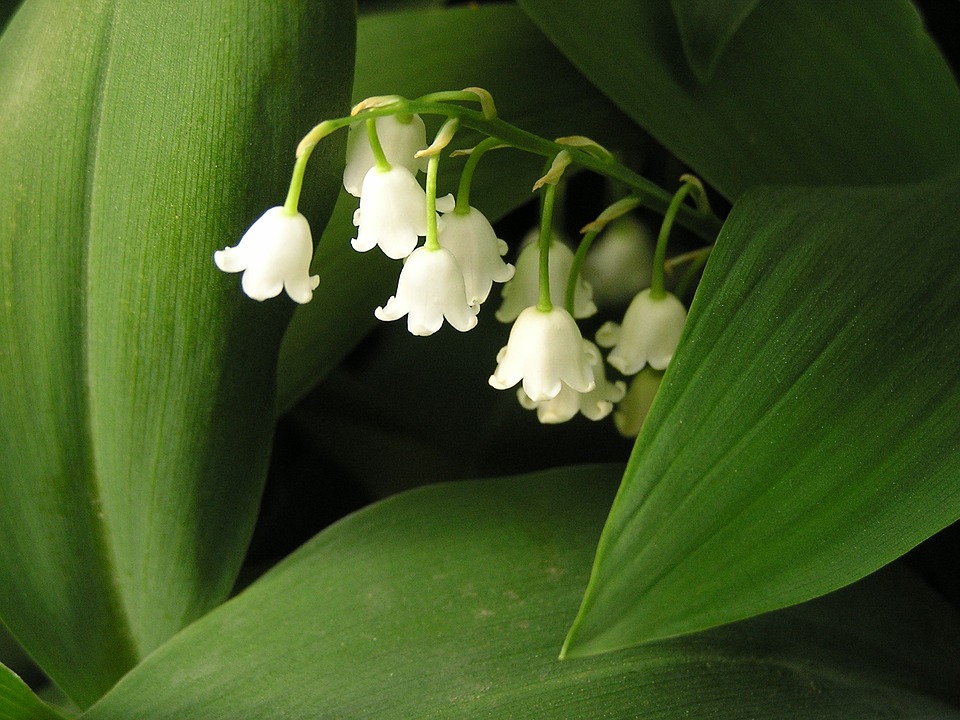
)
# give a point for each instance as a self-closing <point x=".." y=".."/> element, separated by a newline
<point x="430" y="289"/>
<point x="393" y="212"/>
<point x="649" y="335"/>
<point x="274" y="254"/>
<point x="523" y="289"/>
<point x="400" y="141"/>
<point x="478" y="250"/>
<point x="594" y="405"/>
<point x="620" y="262"/>
<point x="545" y="351"/>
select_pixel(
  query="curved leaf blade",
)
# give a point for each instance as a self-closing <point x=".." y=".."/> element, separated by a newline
<point x="706" y="26"/>
<point x="447" y="602"/>
<point x="808" y="93"/>
<point x="17" y="701"/>
<point x="133" y="375"/>
<point x="806" y="433"/>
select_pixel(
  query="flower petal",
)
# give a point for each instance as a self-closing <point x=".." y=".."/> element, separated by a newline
<point x="523" y="289"/>
<point x="392" y="213"/>
<point x="472" y="240"/>
<point x="274" y="253"/>
<point x="650" y="333"/>
<point x="399" y="140"/>
<point x="544" y="351"/>
<point x="430" y="289"/>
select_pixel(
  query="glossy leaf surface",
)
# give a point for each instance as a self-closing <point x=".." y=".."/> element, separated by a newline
<point x="139" y="138"/>
<point x="449" y="602"/>
<point x="17" y="701"/>
<point x="706" y="26"/>
<point x="806" y="93"/>
<point x="806" y="433"/>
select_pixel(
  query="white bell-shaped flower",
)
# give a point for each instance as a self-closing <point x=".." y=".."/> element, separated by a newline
<point x="430" y="289"/>
<point x="523" y="289"/>
<point x="620" y="262"/>
<point x="273" y="254"/>
<point x="400" y="142"/>
<point x="650" y="333"/>
<point x="594" y="405"/>
<point x="393" y="212"/>
<point x="479" y="252"/>
<point x="545" y="351"/>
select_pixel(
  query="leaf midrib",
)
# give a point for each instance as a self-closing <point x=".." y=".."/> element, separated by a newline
<point x="104" y="537"/>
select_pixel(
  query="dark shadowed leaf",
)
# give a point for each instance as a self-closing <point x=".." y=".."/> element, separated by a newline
<point x="706" y="26"/>
<point x="806" y="93"/>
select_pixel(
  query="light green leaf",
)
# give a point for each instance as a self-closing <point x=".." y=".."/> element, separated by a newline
<point x="384" y="6"/>
<point x="136" y="381"/>
<point x="706" y="26"/>
<point x="814" y="92"/>
<point x="449" y="601"/>
<point x="13" y="656"/>
<point x="412" y="54"/>
<point x="17" y="701"/>
<point x="806" y="433"/>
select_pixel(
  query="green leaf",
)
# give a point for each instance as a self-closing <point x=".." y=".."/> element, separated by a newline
<point x="468" y="47"/>
<point x="813" y="92"/>
<point x="706" y="26"/>
<point x="806" y="433"/>
<point x="449" y="601"/>
<point x="384" y="6"/>
<point x="13" y="656"/>
<point x="392" y="399"/>
<point x="7" y="11"/>
<point x="138" y="138"/>
<point x="17" y="701"/>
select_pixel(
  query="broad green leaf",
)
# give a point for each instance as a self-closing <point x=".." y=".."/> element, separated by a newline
<point x="384" y="6"/>
<point x="815" y="92"/>
<point x="449" y="602"/>
<point x="17" y="701"/>
<point x="412" y="54"/>
<point x="136" y="382"/>
<point x="706" y="26"/>
<point x="806" y="433"/>
<point x="13" y="656"/>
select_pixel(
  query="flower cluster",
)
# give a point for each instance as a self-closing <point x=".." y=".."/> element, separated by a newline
<point x="451" y="273"/>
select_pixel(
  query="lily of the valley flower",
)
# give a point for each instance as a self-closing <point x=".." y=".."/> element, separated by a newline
<point x="620" y="262"/>
<point x="393" y="212"/>
<point x="649" y="335"/>
<point x="273" y="254"/>
<point x="400" y="141"/>
<point x="523" y="289"/>
<point x="545" y="351"/>
<point x="594" y="405"/>
<point x="430" y="289"/>
<point x="479" y="252"/>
